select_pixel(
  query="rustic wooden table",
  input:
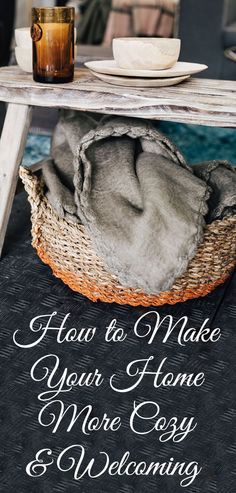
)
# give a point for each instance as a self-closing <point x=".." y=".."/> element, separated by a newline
<point x="197" y="101"/>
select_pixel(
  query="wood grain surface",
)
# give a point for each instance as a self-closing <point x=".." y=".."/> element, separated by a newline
<point x="198" y="101"/>
<point x="12" y="145"/>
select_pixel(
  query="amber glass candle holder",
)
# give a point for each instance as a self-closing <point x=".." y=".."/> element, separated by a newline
<point x="52" y="33"/>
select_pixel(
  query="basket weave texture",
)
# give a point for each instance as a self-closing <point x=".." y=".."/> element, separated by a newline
<point x="68" y="250"/>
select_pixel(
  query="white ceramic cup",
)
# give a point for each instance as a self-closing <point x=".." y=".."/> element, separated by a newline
<point x="146" y="53"/>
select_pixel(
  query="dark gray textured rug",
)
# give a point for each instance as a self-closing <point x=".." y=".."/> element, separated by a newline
<point x="28" y="289"/>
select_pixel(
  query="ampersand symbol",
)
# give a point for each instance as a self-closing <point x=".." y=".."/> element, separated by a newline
<point x="38" y="467"/>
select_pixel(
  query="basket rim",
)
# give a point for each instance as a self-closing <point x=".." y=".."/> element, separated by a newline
<point x="42" y="210"/>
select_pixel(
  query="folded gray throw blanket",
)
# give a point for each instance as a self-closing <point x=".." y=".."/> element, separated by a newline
<point x="141" y="204"/>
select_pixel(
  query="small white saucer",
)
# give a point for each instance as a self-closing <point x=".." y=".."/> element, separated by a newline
<point x="180" y="69"/>
<point x="137" y="82"/>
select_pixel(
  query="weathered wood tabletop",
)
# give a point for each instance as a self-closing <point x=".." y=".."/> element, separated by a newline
<point x="199" y="101"/>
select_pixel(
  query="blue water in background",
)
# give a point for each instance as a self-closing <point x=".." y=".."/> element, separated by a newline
<point x="37" y="148"/>
<point x="200" y="143"/>
<point x="197" y="143"/>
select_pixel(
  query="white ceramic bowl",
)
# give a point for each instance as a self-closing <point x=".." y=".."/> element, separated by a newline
<point x="146" y="53"/>
<point x="23" y="50"/>
<point x="23" y="37"/>
<point x="24" y="58"/>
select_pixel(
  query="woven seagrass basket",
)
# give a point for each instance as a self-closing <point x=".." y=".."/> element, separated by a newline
<point x="67" y="249"/>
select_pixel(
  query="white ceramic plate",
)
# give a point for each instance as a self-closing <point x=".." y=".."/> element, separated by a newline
<point x="136" y="82"/>
<point x="180" y="69"/>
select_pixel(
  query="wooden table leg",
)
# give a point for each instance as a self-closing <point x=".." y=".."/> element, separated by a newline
<point x="12" y="146"/>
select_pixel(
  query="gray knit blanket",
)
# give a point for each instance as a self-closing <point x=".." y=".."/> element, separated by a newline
<point x="142" y="205"/>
